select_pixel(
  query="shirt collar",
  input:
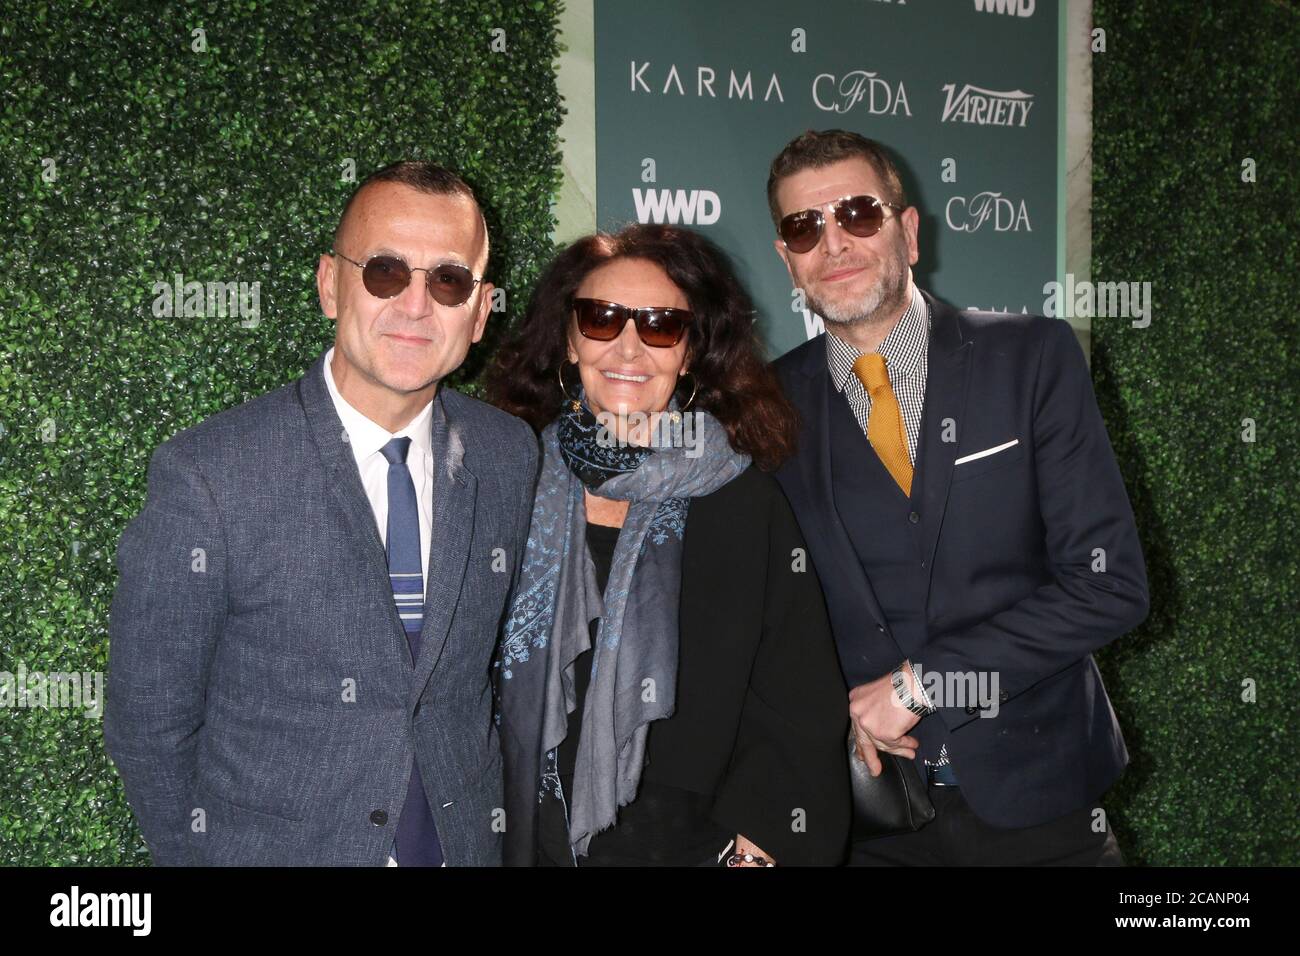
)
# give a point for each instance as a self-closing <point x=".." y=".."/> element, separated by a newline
<point x="902" y="348"/>
<point x="367" y="437"/>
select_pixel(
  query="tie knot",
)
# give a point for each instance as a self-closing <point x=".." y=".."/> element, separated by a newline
<point x="871" y="372"/>
<point x="395" y="451"/>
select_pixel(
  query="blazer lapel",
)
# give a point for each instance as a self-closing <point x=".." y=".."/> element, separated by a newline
<point x="816" y="468"/>
<point x="947" y="381"/>
<point x="455" y="492"/>
<point x="344" y="482"/>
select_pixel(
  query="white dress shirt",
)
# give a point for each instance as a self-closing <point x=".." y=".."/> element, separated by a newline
<point x="366" y="439"/>
<point x="906" y="353"/>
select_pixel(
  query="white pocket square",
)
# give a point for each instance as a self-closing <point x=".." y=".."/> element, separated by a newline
<point x="987" y="451"/>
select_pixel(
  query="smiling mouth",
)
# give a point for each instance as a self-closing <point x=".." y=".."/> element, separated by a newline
<point x="842" y="274"/>
<point x="636" y="379"/>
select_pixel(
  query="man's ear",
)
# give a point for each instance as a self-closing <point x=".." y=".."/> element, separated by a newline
<point x="325" y="289"/>
<point x="911" y="223"/>
<point x="484" y="307"/>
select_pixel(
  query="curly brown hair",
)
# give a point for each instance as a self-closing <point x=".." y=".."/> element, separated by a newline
<point x="733" y="382"/>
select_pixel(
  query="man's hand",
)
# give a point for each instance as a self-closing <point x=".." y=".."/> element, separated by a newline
<point x="881" y="722"/>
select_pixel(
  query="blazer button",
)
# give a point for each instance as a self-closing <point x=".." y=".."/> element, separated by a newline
<point x="378" y="817"/>
<point x="914" y="517"/>
<point x="880" y="628"/>
<point x="1003" y="697"/>
<point x="972" y="711"/>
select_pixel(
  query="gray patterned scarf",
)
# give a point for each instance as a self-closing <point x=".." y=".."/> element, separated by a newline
<point x="634" y="661"/>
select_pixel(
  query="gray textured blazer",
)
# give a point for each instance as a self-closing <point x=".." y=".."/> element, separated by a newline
<point x="262" y="707"/>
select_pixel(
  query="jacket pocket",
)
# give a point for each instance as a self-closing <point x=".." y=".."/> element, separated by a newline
<point x="235" y="835"/>
<point x="976" y="463"/>
<point x="205" y="791"/>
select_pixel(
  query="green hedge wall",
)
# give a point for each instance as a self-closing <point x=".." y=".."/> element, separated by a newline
<point x="1185" y="93"/>
<point x="226" y="164"/>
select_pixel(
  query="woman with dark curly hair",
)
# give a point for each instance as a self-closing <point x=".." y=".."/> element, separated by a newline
<point x="668" y="692"/>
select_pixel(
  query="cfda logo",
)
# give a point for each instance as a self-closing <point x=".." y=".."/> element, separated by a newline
<point x="968" y="215"/>
<point x="859" y="86"/>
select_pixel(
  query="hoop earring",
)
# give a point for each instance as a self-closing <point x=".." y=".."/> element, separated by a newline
<point x="559" y="374"/>
<point x="695" y="383"/>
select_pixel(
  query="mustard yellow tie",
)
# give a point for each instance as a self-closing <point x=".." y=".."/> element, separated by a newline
<point x="885" y="423"/>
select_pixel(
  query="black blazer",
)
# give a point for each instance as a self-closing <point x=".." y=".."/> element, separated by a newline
<point x="1011" y="541"/>
<point x="762" y="715"/>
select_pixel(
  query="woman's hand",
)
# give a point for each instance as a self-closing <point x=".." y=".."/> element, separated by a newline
<point x="744" y="846"/>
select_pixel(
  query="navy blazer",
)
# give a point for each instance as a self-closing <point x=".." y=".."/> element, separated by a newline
<point x="1013" y="540"/>
<point x="262" y="706"/>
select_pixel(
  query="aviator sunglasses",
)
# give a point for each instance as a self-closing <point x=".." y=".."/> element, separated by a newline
<point x="603" y="321"/>
<point x="450" y="283"/>
<point x="860" y="216"/>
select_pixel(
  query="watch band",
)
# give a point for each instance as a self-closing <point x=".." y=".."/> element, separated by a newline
<point x="904" y="695"/>
<point x="921" y="695"/>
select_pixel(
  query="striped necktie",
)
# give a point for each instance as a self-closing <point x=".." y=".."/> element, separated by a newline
<point x="404" y="562"/>
<point x="417" y="838"/>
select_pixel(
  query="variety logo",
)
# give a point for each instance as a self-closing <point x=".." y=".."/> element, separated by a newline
<point x="841" y="95"/>
<point x="698" y="207"/>
<point x="986" y="107"/>
<point x="1013" y="8"/>
<point x="968" y="215"/>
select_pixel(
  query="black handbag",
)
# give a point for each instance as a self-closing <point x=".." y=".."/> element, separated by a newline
<point x="895" y="802"/>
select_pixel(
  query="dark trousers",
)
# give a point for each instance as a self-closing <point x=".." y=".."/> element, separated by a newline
<point x="956" y="837"/>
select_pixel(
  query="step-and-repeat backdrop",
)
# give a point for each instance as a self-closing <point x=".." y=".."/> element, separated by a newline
<point x="695" y="97"/>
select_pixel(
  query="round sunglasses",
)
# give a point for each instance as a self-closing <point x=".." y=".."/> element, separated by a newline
<point x="385" y="276"/>
<point x="660" y="328"/>
<point x="860" y="216"/>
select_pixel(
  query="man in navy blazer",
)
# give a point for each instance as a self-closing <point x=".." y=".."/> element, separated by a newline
<point x="967" y="520"/>
<point x="308" y="602"/>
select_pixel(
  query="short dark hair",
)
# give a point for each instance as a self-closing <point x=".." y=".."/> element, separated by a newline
<point x="814" y="149"/>
<point x="733" y="382"/>
<point x="420" y="175"/>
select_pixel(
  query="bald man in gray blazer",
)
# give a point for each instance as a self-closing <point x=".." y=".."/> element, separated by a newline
<point x="308" y="603"/>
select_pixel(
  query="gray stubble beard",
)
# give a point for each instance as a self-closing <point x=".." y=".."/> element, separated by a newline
<point x="881" y="305"/>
